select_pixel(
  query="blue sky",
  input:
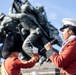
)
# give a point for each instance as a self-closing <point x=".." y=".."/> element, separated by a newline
<point x="56" y="10"/>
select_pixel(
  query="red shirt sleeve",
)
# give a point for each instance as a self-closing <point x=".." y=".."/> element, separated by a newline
<point x="26" y="64"/>
<point x="66" y="57"/>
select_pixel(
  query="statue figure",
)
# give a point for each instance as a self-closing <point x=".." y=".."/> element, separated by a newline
<point x="9" y="24"/>
<point x="6" y="25"/>
<point x="30" y="24"/>
<point x="34" y="28"/>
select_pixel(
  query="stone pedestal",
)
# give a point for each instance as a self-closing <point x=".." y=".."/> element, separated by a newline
<point x="45" y="69"/>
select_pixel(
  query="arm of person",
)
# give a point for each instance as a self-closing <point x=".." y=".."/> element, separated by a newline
<point x="26" y="64"/>
<point x="49" y="49"/>
<point x="65" y="57"/>
<point x="31" y="62"/>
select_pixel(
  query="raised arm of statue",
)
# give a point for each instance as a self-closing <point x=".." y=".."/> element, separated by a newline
<point x="11" y="8"/>
<point x="16" y="5"/>
<point x="16" y="15"/>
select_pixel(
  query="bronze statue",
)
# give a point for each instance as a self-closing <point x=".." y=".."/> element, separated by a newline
<point x="33" y="26"/>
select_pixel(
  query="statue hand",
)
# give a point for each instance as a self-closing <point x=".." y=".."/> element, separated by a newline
<point x="35" y="49"/>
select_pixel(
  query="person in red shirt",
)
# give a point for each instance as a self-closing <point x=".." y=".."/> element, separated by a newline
<point x="66" y="59"/>
<point x="11" y="49"/>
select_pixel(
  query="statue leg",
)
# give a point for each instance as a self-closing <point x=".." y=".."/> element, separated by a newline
<point x="27" y="42"/>
<point x="41" y="42"/>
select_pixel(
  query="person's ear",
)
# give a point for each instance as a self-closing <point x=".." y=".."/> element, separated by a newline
<point x="71" y="32"/>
